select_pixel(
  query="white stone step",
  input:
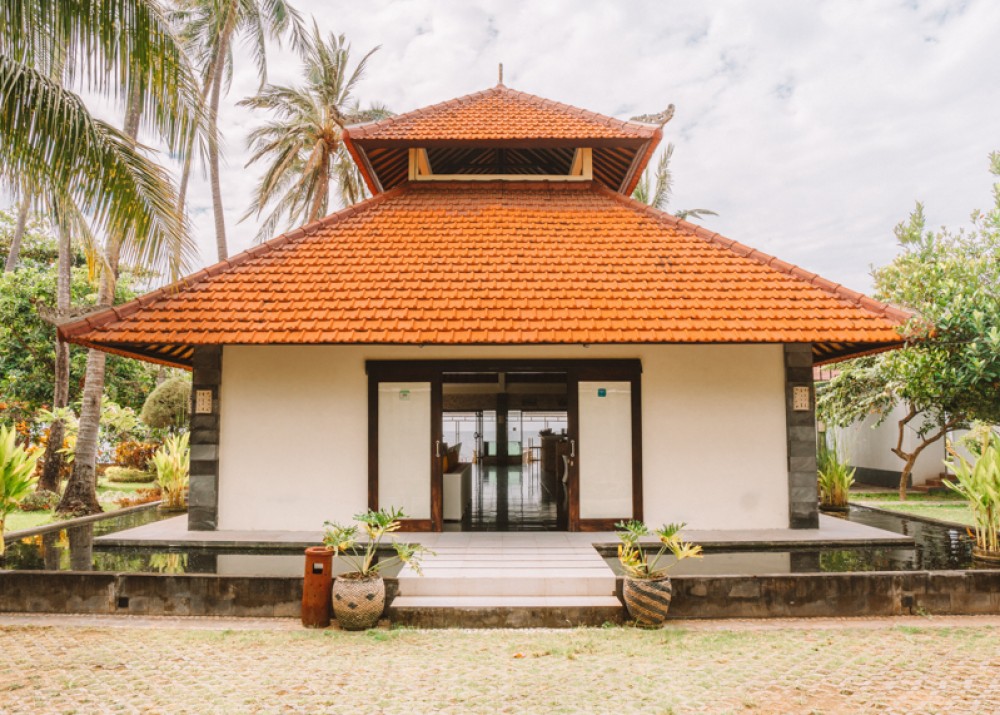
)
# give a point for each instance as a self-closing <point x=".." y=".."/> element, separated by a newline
<point x="506" y="602"/>
<point x="508" y="584"/>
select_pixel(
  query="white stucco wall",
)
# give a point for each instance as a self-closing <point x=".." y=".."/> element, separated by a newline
<point x="868" y="446"/>
<point x="294" y="443"/>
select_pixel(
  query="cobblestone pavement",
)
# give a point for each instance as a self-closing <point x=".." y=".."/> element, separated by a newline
<point x="122" y="665"/>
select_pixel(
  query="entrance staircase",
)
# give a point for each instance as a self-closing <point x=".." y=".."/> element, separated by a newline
<point x="498" y="580"/>
<point x="935" y="485"/>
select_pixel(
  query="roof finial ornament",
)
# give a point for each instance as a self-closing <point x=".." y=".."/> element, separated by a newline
<point x="659" y="119"/>
<point x="500" y="76"/>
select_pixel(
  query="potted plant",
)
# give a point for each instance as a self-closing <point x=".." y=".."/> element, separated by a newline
<point x="647" y="588"/>
<point x="835" y="476"/>
<point x="979" y="483"/>
<point x="359" y="595"/>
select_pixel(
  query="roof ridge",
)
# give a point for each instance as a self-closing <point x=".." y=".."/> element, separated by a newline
<point x="814" y="279"/>
<point x="642" y="130"/>
<point x="103" y="316"/>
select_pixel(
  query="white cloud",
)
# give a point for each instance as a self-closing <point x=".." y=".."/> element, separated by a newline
<point x="810" y="127"/>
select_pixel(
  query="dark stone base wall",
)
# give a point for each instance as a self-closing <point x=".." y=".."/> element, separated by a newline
<point x="793" y="595"/>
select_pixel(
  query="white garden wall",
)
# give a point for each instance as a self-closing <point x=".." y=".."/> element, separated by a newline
<point x="294" y="440"/>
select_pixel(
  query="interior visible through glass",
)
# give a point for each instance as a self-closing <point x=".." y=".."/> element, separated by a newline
<point x="503" y="436"/>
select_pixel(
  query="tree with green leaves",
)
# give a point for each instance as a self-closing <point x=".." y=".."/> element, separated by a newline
<point x="209" y="29"/>
<point x="948" y="374"/>
<point x="656" y="188"/>
<point x="52" y="146"/>
<point x="304" y="144"/>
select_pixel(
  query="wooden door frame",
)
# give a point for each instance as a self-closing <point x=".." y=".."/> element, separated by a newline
<point x="432" y="371"/>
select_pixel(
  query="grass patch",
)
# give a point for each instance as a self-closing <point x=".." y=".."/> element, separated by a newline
<point x="910" y="496"/>
<point x="958" y="513"/>
<point x="107" y="493"/>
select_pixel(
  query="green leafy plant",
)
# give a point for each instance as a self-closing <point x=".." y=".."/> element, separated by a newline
<point x="172" y="462"/>
<point x="343" y="540"/>
<point x="979" y="483"/>
<point x="17" y="480"/>
<point x="635" y="558"/>
<point x="835" y="475"/>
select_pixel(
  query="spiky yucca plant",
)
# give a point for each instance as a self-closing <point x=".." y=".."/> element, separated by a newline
<point x="17" y="480"/>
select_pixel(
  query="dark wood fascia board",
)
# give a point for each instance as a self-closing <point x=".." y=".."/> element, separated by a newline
<point x="586" y="369"/>
<point x="361" y="159"/>
<point x="639" y="162"/>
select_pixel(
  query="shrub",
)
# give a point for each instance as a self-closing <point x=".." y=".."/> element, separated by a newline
<point x="135" y="455"/>
<point x="42" y="500"/>
<point x="167" y="406"/>
<point x="172" y="462"/>
<point x="141" y="496"/>
<point x="128" y="475"/>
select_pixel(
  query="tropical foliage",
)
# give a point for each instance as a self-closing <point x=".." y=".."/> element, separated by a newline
<point x="948" y="375"/>
<point x="303" y="143"/>
<point x="979" y="483"/>
<point x="834" y="473"/>
<point x="345" y="541"/>
<point x="52" y="146"/>
<point x="173" y="462"/>
<point x="209" y="29"/>
<point x="17" y="480"/>
<point x="638" y="561"/>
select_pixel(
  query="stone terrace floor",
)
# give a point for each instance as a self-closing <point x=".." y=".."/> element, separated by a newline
<point x="97" y="664"/>
<point x="832" y="531"/>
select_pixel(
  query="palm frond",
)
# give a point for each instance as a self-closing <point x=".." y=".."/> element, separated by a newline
<point x="50" y="141"/>
<point x="115" y="46"/>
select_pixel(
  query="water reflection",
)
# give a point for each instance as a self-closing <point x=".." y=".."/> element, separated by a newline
<point x="936" y="547"/>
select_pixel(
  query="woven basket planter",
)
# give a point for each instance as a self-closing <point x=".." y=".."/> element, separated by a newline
<point x="986" y="558"/>
<point x="358" y="601"/>
<point x="648" y="600"/>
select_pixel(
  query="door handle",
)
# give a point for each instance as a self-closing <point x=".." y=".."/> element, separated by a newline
<point x="572" y="448"/>
<point x="437" y="447"/>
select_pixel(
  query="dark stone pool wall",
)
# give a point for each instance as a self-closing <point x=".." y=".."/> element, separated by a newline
<point x="798" y="595"/>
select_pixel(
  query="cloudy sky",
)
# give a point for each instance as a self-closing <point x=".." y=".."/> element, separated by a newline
<point x="810" y="127"/>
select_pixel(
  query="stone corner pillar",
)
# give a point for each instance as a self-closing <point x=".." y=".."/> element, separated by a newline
<point x="800" y="429"/>
<point x="203" y="495"/>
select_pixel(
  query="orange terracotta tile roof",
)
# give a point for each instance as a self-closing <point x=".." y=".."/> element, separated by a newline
<point x="499" y="114"/>
<point x="493" y="263"/>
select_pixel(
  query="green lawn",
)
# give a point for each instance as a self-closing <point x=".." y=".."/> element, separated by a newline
<point x="107" y="493"/>
<point x="956" y="512"/>
<point x="910" y="496"/>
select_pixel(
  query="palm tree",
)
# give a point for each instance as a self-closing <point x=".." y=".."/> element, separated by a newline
<point x="304" y="143"/>
<point x="209" y="29"/>
<point x="656" y="187"/>
<point x="50" y="144"/>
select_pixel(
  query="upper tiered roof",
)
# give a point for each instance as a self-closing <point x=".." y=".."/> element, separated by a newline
<point x="504" y="131"/>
